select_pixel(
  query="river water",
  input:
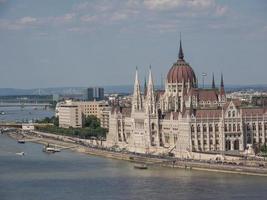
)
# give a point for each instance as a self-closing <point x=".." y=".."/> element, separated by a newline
<point x="18" y="114"/>
<point x="72" y="176"/>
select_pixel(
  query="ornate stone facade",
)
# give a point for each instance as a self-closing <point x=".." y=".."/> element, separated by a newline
<point x="185" y="119"/>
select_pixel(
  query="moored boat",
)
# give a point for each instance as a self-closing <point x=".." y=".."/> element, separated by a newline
<point x="140" y="166"/>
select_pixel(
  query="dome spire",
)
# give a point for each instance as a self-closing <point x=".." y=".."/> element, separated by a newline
<point x="181" y="53"/>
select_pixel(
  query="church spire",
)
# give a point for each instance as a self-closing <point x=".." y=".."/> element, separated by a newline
<point x="145" y="88"/>
<point x="222" y="84"/>
<point x="137" y="100"/>
<point x="151" y="103"/>
<point x="222" y="91"/>
<point x="181" y="53"/>
<point x="213" y="81"/>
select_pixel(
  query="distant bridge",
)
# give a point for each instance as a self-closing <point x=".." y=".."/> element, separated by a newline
<point x="22" y="104"/>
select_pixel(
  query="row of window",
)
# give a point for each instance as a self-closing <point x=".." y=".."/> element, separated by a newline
<point x="205" y="128"/>
<point x="229" y="127"/>
<point x="205" y="142"/>
<point x="254" y="126"/>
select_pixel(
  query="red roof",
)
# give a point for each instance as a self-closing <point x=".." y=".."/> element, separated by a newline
<point x="208" y="113"/>
<point x="205" y="94"/>
<point x="253" y="111"/>
<point x="181" y="71"/>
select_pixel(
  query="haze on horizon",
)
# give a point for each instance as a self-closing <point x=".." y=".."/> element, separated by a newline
<point x="99" y="42"/>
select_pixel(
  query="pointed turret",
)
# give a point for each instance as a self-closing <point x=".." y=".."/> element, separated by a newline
<point x="145" y="88"/>
<point x="222" y="91"/>
<point x="137" y="99"/>
<point x="222" y="84"/>
<point x="181" y="53"/>
<point x="213" y="81"/>
<point x="151" y="104"/>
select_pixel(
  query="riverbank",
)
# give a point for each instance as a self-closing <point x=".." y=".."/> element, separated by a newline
<point x="83" y="146"/>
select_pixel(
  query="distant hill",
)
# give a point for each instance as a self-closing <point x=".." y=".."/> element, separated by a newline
<point x="108" y="89"/>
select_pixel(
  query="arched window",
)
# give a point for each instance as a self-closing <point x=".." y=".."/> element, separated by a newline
<point x="238" y="127"/>
<point x="198" y="128"/>
<point x="230" y="127"/>
<point x="152" y="126"/>
<point x="204" y="128"/>
<point x="227" y="145"/>
<point x="248" y="126"/>
<point x="225" y="127"/>
<point x="210" y="128"/>
<point x="233" y="113"/>
<point x="229" y="113"/>
<point x="192" y="128"/>
<point x="260" y="126"/>
<point x="216" y="127"/>
<point x="253" y="126"/>
<point x="236" y="145"/>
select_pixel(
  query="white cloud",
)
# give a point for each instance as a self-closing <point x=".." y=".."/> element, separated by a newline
<point x="69" y="17"/>
<point x="221" y="10"/>
<point x="162" y="4"/>
<point x="88" y="18"/>
<point x="172" y="4"/>
<point x="27" y="20"/>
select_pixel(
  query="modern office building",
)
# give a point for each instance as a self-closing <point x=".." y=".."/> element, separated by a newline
<point x="94" y="93"/>
<point x="69" y="111"/>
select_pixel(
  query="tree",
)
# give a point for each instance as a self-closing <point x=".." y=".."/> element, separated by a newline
<point x="92" y="122"/>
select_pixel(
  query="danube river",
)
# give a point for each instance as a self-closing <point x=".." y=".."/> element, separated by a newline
<point x="18" y="114"/>
<point x="73" y="176"/>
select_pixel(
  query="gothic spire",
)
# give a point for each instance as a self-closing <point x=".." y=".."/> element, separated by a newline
<point x="151" y="103"/>
<point x="222" y="84"/>
<point x="150" y="79"/>
<point x="213" y="81"/>
<point x="137" y="100"/>
<point x="222" y="91"/>
<point x="181" y="53"/>
<point x="145" y="88"/>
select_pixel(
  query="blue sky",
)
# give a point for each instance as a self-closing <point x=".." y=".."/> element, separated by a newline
<point x="53" y="43"/>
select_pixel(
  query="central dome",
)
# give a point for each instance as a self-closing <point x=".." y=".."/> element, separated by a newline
<point x="181" y="71"/>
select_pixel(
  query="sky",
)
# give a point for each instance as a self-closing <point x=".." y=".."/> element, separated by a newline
<point x="58" y="43"/>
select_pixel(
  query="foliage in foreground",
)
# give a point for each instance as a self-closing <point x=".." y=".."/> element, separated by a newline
<point x="92" y="128"/>
<point x="84" y="133"/>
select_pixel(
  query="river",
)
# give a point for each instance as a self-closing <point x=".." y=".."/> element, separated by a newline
<point x="72" y="176"/>
<point x="18" y="114"/>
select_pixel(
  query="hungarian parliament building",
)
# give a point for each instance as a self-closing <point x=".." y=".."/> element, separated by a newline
<point x="184" y="119"/>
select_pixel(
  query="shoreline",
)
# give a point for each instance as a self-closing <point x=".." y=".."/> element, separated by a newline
<point x="45" y="138"/>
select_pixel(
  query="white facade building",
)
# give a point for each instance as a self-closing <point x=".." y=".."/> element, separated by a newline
<point x="185" y="120"/>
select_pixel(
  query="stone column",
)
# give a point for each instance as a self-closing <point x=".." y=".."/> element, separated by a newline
<point x="232" y="144"/>
<point x="241" y="145"/>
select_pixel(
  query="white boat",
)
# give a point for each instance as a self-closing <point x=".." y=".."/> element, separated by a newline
<point x="48" y="149"/>
<point x="140" y="166"/>
<point x="20" y="153"/>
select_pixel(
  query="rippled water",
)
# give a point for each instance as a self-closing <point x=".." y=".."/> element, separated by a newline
<point x="27" y="113"/>
<point x="71" y="176"/>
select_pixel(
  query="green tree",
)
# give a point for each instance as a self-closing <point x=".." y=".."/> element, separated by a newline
<point x="92" y="122"/>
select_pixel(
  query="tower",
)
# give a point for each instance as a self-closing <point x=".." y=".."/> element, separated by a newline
<point x="137" y="103"/>
<point x="150" y="97"/>
<point x="222" y="91"/>
<point x="213" y="81"/>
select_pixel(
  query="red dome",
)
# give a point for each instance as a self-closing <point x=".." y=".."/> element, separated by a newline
<point x="181" y="71"/>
